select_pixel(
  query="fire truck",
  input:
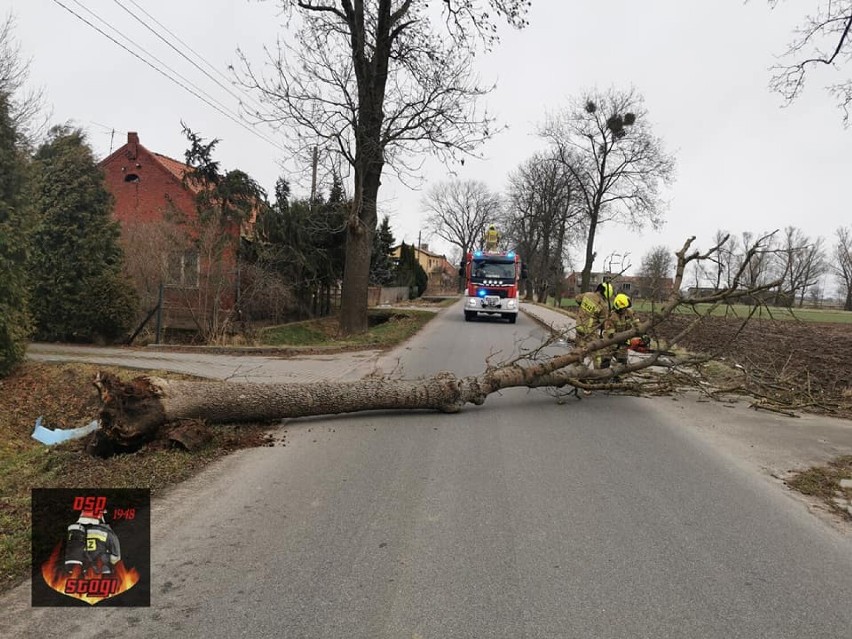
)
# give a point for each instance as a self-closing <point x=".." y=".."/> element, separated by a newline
<point x="491" y="284"/>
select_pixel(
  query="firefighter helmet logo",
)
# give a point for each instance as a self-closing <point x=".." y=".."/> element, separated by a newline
<point x="87" y="563"/>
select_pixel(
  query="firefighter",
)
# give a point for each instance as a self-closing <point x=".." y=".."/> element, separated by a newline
<point x="593" y="312"/>
<point x="622" y="318"/>
<point x="492" y="238"/>
<point x="91" y="543"/>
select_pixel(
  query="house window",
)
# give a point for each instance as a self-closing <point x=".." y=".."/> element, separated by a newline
<point x="131" y="177"/>
<point x="183" y="269"/>
<point x="625" y="286"/>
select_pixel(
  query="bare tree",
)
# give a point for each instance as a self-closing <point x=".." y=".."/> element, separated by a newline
<point x="822" y="40"/>
<point x="804" y="262"/>
<point x="754" y="259"/>
<point x="718" y="271"/>
<point x="146" y="246"/>
<point x="656" y="272"/>
<point x="842" y="264"/>
<point x="134" y="412"/>
<point x="24" y="104"/>
<point x="459" y="211"/>
<point x="542" y="219"/>
<point x="794" y="260"/>
<point x="605" y="142"/>
<point x="376" y="82"/>
<point x="724" y="260"/>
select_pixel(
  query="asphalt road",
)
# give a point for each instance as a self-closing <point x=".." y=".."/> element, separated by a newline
<point x="606" y="517"/>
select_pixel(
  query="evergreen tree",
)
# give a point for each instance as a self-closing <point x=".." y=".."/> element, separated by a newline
<point x="304" y="242"/>
<point x="14" y="318"/>
<point x="409" y="272"/>
<point x="421" y="278"/>
<point x="79" y="292"/>
<point x="332" y="234"/>
<point x="224" y="198"/>
<point x="381" y="266"/>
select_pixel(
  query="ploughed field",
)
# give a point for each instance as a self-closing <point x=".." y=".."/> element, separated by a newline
<point x="808" y="364"/>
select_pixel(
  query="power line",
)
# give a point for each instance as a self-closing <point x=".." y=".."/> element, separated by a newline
<point x="155" y="58"/>
<point x="242" y="94"/>
<point x="163" y="73"/>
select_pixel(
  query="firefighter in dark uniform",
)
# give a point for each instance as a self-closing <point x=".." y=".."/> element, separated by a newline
<point x="91" y="543"/>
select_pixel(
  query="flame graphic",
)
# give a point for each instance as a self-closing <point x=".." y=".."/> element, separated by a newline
<point x="55" y="576"/>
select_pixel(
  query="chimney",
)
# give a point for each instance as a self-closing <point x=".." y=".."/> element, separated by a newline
<point x="132" y="144"/>
<point x="424" y="246"/>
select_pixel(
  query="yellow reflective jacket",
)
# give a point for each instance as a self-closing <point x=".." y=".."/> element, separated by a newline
<point x="592" y="313"/>
<point x="620" y="321"/>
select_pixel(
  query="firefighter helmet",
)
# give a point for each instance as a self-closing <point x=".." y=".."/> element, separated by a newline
<point x="605" y="289"/>
<point x="621" y="302"/>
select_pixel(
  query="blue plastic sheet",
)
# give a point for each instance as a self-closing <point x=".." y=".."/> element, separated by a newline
<point x="49" y="436"/>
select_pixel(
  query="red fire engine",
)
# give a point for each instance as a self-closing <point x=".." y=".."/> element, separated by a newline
<point x="491" y="284"/>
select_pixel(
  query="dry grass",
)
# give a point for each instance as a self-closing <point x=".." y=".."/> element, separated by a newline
<point x="388" y="327"/>
<point x="823" y="482"/>
<point x="64" y="396"/>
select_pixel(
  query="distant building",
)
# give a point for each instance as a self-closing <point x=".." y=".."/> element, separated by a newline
<point x="632" y="285"/>
<point x="443" y="276"/>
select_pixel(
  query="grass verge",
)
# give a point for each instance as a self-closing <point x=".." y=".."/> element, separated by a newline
<point x="829" y="316"/>
<point x="388" y="327"/>
<point x="63" y="394"/>
<point x="823" y="482"/>
<point x="440" y="301"/>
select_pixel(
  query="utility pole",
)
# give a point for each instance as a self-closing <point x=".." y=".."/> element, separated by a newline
<point x="314" y="177"/>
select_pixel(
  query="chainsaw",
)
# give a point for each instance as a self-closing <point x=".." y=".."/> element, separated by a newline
<point x="643" y="345"/>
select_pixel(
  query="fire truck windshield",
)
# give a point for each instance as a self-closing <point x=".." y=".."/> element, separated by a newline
<point x="483" y="270"/>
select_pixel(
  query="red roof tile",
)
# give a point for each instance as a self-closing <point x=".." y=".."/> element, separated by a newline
<point x="175" y="167"/>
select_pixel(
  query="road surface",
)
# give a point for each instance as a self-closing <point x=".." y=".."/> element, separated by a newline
<point x="523" y="518"/>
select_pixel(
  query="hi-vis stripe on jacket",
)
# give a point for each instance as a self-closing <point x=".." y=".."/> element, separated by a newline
<point x="593" y="312"/>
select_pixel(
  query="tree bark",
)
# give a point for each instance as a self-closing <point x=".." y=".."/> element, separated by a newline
<point x="586" y="273"/>
<point x="371" y="72"/>
<point x="133" y="413"/>
<point x="359" y="244"/>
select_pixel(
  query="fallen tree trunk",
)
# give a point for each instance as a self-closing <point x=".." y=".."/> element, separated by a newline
<point x="133" y="412"/>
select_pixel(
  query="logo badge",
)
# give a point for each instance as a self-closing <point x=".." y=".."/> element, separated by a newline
<point x="91" y="547"/>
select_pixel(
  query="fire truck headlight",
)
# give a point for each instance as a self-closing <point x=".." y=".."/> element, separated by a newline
<point x="510" y="304"/>
<point x="471" y="301"/>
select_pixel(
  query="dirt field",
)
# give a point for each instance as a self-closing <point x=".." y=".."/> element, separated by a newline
<point x="808" y="363"/>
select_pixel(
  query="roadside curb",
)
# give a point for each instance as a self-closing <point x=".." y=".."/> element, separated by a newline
<point x="538" y="320"/>
<point x="271" y="351"/>
<point x="541" y="321"/>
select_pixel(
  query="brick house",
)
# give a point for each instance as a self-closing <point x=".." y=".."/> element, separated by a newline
<point x="632" y="285"/>
<point x="156" y="211"/>
<point x="443" y="276"/>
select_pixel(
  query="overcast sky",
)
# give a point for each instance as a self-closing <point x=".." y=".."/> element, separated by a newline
<point x="743" y="162"/>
